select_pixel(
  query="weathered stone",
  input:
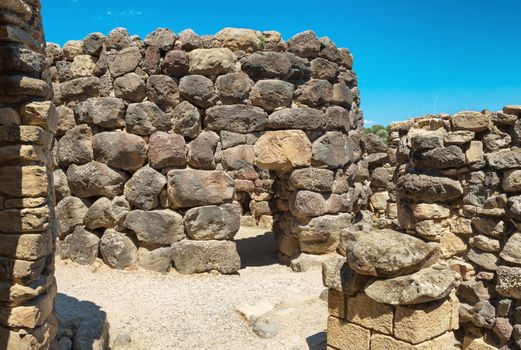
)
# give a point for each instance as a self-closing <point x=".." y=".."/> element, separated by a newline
<point x="424" y="211"/>
<point x="312" y="179"/>
<point x="323" y="69"/>
<point x="213" y="222"/>
<point x="82" y="66"/>
<point x="271" y="94"/>
<point x="283" y="150"/>
<point x="175" y="63"/>
<point x="210" y="62"/>
<point x="475" y="152"/>
<point x="504" y="159"/>
<point x="386" y="253"/>
<point x="166" y="150"/>
<point x="119" y="150"/>
<point x="69" y="214"/>
<point x="143" y="188"/>
<point x="75" y="147"/>
<point x="152" y="60"/>
<point x="487" y="261"/>
<point x="107" y="112"/>
<point x="347" y="336"/>
<point x="117" y="250"/>
<point x="420" y="287"/>
<point x="79" y="87"/>
<point x="81" y="246"/>
<point x="489" y="226"/>
<point x="426" y="188"/>
<point x="130" y="87"/>
<point x="26" y="246"/>
<point x="93" y="43"/>
<point x="308" y="204"/>
<point x="417" y="323"/>
<point x="238" y="157"/>
<point x="124" y="61"/>
<point x="321" y="234"/>
<point x="199" y="90"/>
<point x="485" y="244"/>
<point x="509" y="282"/>
<point x="239" y="39"/>
<point x="512" y="181"/>
<point x="189" y="40"/>
<point x="201" y="151"/>
<point x="201" y="256"/>
<point x="118" y="39"/>
<point x="158" y="260"/>
<point x="95" y="179"/>
<point x="266" y="65"/>
<point x="370" y="314"/>
<point x="145" y="118"/>
<point x="161" y="38"/>
<point x="41" y="114"/>
<point x="305" y="44"/>
<point x="342" y="95"/>
<point x="99" y="215"/>
<point x="236" y="118"/>
<point x="233" y="88"/>
<point x="473" y="121"/>
<point x="157" y="226"/>
<point x="439" y="158"/>
<point x="73" y="48"/>
<point x="459" y="137"/>
<point x="333" y="150"/>
<point x="24" y="181"/>
<point x="61" y="185"/>
<point x="304" y="118"/>
<point x="512" y="249"/>
<point x="191" y="188"/>
<point x="314" y="93"/>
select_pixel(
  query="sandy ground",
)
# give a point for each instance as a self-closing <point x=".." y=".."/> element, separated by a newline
<point x="173" y="311"/>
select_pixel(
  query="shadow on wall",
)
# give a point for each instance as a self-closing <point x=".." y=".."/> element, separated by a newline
<point x="259" y="250"/>
<point x="85" y="320"/>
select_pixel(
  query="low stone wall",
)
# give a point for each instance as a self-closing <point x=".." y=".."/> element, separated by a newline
<point x="449" y="276"/>
<point x="163" y="143"/>
<point x="27" y="123"/>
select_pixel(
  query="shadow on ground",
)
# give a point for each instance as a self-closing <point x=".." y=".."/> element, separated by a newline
<point x="317" y="341"/>
<point x="85" y="319"/>
<point x="257" y="250"/>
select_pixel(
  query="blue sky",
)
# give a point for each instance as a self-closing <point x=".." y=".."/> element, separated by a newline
<point x="412" y="57"/>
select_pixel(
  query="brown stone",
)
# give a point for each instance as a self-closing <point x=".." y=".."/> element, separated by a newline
<point x="346" y="336"/>
<point x="283" y="150"/>
<point x="370" y="314"/>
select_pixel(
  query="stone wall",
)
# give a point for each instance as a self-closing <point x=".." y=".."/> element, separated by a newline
<point x="449" y="276"/>
<point x="27" y="123"/>
<point x="163" y="143"/>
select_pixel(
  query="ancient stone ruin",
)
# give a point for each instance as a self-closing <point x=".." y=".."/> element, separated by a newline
<point x="148" y="153"/>
<point x="164" y="143"/>
<point x="436" y="263"/>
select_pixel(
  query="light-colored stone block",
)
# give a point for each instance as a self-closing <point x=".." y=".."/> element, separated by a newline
<point x="336" y="303"/>
<point x="347" y="336"/>
<point x="368" y="313"/>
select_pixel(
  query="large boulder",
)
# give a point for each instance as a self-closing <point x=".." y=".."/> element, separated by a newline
<point x="213" y="222"/>
<point x="95" y="179"/>
<point x="75" y="147"/>
<point x="473" y="121"/>
<point x="504" y="159"/>
<point x="143" y="188"/>
<point x="167" y="150"/>
<point x="320" y="235"/>
<point x="266" y="65"/>
<point x="159" y="259"/>
<point x="192" y="188"/>
<point x="162" y="38"/>
<point x="332" y="150"/>
<point x="61" y="185"/>
<point x="186" y="120"/>
<point x="202" y="256"/>
<point x="162" y="227"/>
<point x="145" y="118"/>
<point x="106" y="213"/>
<point x="118" y="39"/>
<point x="199" y="90"/>
<point x="237" y="118"/>
<point x="118" y="250"/>
<point x="439" y="158"/>
<point x="163" y="91"/>
<point x="130" y="87"/>
<point x="429" y="189"/>
<point x="175" y="63"/>
<point x="211" y="61"/>
<point x="304" y="44"/>
<point x="314" y="93"/>
<point x="239" y="39"/>
<point x="420" y="287"/>
<point x="124" y="61"/>
<point x="283" y="150"/>
<point x="270" y="94"/>
<point x="238" y="157"/>
<point x="512" y="249"/>
<point x="69" y="214"/>
<point x="303" y="118"/>
<point x="81" y="246"/>
<point x="201" y="151"/>
<point x="233" y="88"/>
<point x="312" y="179"/>
<point x="120" y="150"/>
<point x="387" y="253"/>
<point x="107" y="112"/>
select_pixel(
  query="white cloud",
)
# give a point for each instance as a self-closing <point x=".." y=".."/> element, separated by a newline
<point x="126" y="13"/>
<point x="368" y="122"/>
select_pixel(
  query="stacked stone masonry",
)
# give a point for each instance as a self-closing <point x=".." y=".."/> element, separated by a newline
<point x="28" y="120"/>
<point x="435" y="263"/>
<point x="163" y="144"/>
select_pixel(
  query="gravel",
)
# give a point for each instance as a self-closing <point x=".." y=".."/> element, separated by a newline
<point x="174" y="311"/>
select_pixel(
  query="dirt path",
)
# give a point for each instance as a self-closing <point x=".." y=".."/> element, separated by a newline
<point x="173" y="311"/>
